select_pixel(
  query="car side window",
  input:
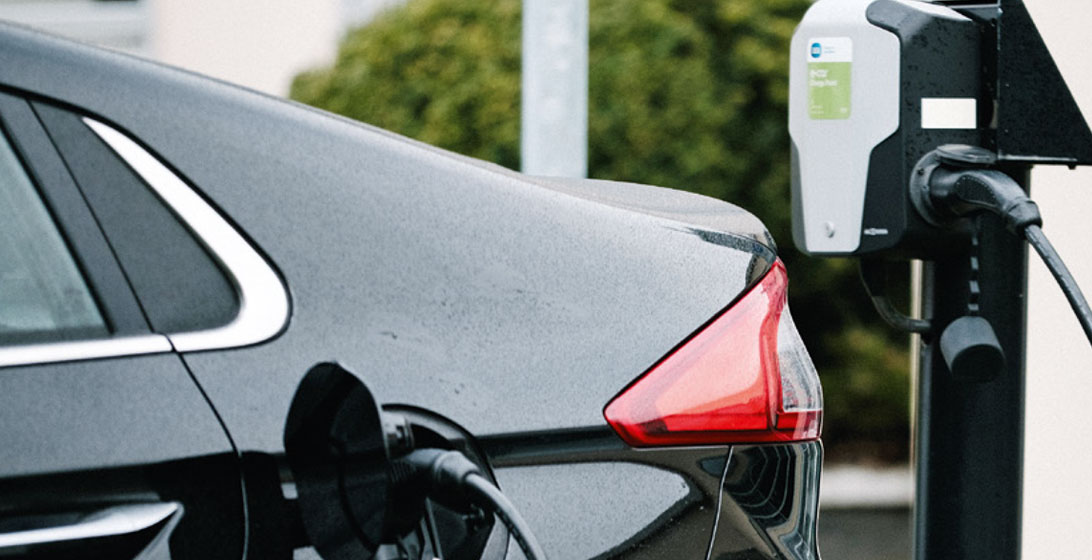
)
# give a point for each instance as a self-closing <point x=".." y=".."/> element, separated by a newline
<point x="180" y="285"/>
<point x="43" y="295"/>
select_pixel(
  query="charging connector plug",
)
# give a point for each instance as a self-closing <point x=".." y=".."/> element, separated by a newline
<point x="456" y="482"/>
<point x="962" y="192"/>
<point x="955" y="181"/>
<point x="438" y="473"/>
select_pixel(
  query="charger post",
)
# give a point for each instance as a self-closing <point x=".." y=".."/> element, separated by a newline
<point x="877" y="88"/>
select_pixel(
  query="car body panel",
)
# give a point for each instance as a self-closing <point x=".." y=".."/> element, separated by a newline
<point x="512" y="307"/>
<point x="87" y="415"/>
<point x="82" y="436"/>
<point x="426" y="249"/>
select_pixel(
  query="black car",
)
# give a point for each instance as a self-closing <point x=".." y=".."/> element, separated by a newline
<point x="195" y="278"/>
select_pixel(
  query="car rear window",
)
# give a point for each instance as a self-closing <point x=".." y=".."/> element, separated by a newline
<point x="180" y="285"/>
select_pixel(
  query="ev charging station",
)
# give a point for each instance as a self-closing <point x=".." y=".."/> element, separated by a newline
<point x="914" y="127"/>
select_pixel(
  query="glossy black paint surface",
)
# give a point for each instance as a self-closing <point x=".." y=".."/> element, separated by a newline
<point x="588" y="495"/>
<point x="82" y="435"/>
<point x="508" y="307"/>
<point x="775" y="489"/>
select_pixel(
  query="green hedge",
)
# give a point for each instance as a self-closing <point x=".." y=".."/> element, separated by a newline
<point x="689" y="94"/>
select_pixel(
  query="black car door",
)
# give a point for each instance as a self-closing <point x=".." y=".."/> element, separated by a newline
<point x="108" y="449"/>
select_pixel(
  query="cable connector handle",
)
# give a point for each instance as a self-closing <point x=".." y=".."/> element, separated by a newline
<point x="441" y="473"/>
<point x="453" y="480"/>
<point x="963" y="192"/>
<point x="954" y="181"/>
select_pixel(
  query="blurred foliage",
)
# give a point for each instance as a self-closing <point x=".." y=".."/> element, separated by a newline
<point x="682" y="93"/>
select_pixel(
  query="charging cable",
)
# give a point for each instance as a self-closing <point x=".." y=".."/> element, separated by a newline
<point x="1069" y="286"/>
<point x="950" y="183"/>
<point x="455" y="481"/>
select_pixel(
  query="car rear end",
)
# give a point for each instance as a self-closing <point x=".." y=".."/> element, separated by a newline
<point x="618" y="358"/>
<point x="718" y="453"/>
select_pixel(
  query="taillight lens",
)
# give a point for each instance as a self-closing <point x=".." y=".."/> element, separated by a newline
<point x="743" y="378"/>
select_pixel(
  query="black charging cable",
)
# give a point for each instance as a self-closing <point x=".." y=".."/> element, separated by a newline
<point x="1037" y="239"/>
<point x="455" y="481"/>
<point x="874" y="277"/>
<point x="956" y="190"/>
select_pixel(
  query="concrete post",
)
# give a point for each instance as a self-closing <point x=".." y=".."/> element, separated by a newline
<point x="554" y="119"/>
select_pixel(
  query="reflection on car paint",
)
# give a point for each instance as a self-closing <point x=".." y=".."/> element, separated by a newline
<point x="776" y="487"/>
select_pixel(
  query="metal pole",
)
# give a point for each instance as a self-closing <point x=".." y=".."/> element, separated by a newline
<point x="554" y="111"/>
<point x="970" y="437"/>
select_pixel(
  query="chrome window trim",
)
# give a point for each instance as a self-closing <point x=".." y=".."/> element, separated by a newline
<point x="112" y="522"/>
<point x="49" y="352"/>
<point x="263" y="298"/>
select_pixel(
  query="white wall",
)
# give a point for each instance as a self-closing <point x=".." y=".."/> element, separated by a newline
<point x="118" y="25"/>
<point x="1058" y="446"/>
<point x="261" y="45"/>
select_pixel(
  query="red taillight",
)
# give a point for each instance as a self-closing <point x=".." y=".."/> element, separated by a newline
<point x="744" y="378"/>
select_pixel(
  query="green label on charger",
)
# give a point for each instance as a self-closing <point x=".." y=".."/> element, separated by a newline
<point x="828" y="90"/>
<point x="830" y="61"/>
